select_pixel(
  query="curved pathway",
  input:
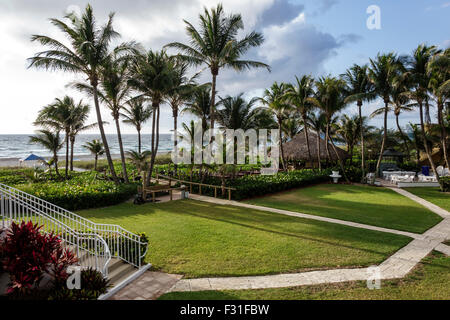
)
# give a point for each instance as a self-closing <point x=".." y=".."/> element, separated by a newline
<point x="151" y="285"/>
<point x="396" y="266"/>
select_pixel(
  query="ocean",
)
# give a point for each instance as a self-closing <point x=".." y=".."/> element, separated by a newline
<point x="19" y="146"/>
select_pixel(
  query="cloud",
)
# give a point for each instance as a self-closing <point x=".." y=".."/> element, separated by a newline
<point x="280" y="12"/>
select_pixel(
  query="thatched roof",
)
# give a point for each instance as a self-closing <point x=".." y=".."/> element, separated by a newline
<point x="296" y="149"/>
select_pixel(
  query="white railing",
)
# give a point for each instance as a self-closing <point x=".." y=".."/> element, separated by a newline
<point x="96" y="242"/>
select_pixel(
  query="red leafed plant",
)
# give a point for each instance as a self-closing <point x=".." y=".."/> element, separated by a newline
<point x="28" y="253"/>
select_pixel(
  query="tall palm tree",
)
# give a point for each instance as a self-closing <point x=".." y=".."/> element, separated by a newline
<point x="298" y="95"/>
<point x="417" y="72"/>
<point x="400" y="100"/>
<point x="439" y="72"/>
<point x="59" y="115"/>
<point x="200" y="104"/>
<point x="349" y="131"/>
<point x="78" y="124"/>
<point x="416" y="140"/>
<point x="382" y="73"/>
<point x="86" y="54"/>
<point x="50" y="141"/>
<point x="358" y="89"/>
<point x="154" y="77"/>
<point x="330" y="98"/>
<point x="136" y="114"/>
<point x="182" y="91"/>
<point x="96" y="148"/>
<point x="216" y="46"/>
<point x="317" y="121"/>
<point x="237" y="113"/>
<point x="275" y="100"/>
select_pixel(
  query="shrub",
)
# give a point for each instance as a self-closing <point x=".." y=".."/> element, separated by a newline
<point x="81" y="191"/>
<point x="29" y="253"/>
<point x="445" y="184"/>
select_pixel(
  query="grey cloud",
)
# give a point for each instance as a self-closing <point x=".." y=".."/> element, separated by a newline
<point x="280" y="12"/>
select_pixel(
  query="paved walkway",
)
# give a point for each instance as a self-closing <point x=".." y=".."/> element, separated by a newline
<point x="153" y="284"/>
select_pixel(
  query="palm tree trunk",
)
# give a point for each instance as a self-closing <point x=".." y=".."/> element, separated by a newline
<point x="154" y="147"/>
<point x="341" y="164"/>
<point x="67" y="154"/>
<point x="361" y="124"/>
<point x="95" y="162"/>
<point x="175" y="132"/>
<point x="102" y="133"/>
<point x="122" y="153"/>
<point x="72" y="144"/>
<point x="281" y="146"/>
<point x="383" y="143"/>
<point x="427" y="112"/>
<point x="327" y="136"/>
<point x="443" y="132"/>
<point x="425" y="142"/>
<point x="139" y="140"/>
<point x="213" y="99"/>
<point x="306" y="136"/>
<point x="318" y="150"/>
<point x="402" y="134"/>
<point x="55" y="157"/>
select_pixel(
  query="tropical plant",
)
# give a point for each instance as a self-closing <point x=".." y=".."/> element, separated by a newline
<point x="348" y="130"/>
<point x="136" y="114"/>
<point x="200" y="104"/>
<point x="358" y="89"/>
<point x="80" y="115"/>
<point x="138" y="158"/>
<point x="317" y="121"/>
<point x="417" y="66"/>
<point x="153" y="75"/>
<point x="216" y="45"/>
<point x="86" y="54"/>
<point x="97" y="148"/>
<point x="50" y="141"/>
<point x="298" y="95"/>
<point x="236" y="113"/>
<point x="330" y="98"/>
<point x="291" y="127"/>
<point x="382" y="73"/>
<point x="58" y="115"/>
<point x="274" y="99"/>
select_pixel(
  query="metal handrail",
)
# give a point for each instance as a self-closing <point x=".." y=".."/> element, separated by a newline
<point x="122" y="243"/>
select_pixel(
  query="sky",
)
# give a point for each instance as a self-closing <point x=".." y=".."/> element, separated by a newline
<point x="317" y="37"/>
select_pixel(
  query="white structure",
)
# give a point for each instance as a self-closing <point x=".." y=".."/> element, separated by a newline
<point x="335" y="175"/>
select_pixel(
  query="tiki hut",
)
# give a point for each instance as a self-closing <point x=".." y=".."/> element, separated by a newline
<point x="296" y="150"/>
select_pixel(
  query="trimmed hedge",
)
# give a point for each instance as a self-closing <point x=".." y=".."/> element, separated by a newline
<point x="259" y="185"/>
<point x="81" y="191"/>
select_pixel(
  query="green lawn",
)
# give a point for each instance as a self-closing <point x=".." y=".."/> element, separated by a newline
<point x="364" y="204"/>
<point x="434" y="195"/>
<point x="200" y="239"/>
<point x="430" y="280"/>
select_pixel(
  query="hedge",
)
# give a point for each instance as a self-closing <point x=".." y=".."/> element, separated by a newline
<point x="445" y="183"/>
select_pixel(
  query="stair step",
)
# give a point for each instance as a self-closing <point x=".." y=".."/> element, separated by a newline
<point x="120" y="272"/>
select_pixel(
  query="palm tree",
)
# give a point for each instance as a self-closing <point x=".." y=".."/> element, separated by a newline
<point x="200" y="104"/>
<point x="80" y="115"/>
<point x="349" y="130"/>
<point x="358" y="89"/>
<point x="154" y="77"/>
<point x="86" y="54"/>
<point x="416" y="140"/>
<point x="417" y="73"/>
<point x="136" y="114"/>
<point x="330" y="98"/>
<point x="236" y="113"/>
<point x="183" y="88"/>
<point x="318" y="123"/>
<point x="216" y="46"/>
<point x="439" y="72"/>
<point x="138" y="158"/>
<point x="298" y="95"/>
<point x="50" y="141"/>
<point x="291" y="127"/>
<point x="59" y="115"/>
<point x="96" y="148"/>
<point x="382" y="73"/>
<point x="275" y="100"/>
